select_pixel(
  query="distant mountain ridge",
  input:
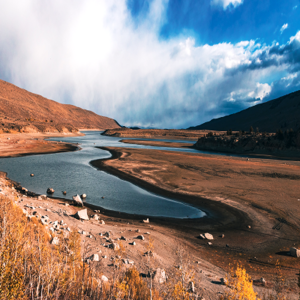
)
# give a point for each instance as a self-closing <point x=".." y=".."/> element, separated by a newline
<point x="281" y="113"/>
<point x="23" y="111"/>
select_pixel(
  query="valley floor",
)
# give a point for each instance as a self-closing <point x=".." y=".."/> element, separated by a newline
<point x="254" y="203"/>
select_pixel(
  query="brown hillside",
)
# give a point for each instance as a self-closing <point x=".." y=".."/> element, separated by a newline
<point x="23" y="111"/>
<point x="282" y="113"/>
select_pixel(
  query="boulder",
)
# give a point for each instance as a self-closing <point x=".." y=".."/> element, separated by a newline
<point x="146" y="221"/>
<point x="55" y="241"/>
<point x="31" y="175"/>
<point x="50" y="191"/>
<point x="208" y="236"/>
<point x="82" y="215"/>
<point x="202" y="236"/>
<point x="159" y="276"/>
<point x="140" y="237"/>
<point x="295" y="252"/>
<point x="77" y="200"/>
<point x="83" y="196"/>
<point x="104" y="278"/>
<point x="64" y="192"/>
<point x="114" y="246"/>
<point x="96" y="217"/>
<point x="94" y="257"/>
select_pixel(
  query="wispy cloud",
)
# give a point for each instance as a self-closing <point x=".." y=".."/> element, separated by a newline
<point x="295" y="7"/>
<point x="92" y="54"/>
<point x="284" y="27"/>
<point x="227" y="3"/>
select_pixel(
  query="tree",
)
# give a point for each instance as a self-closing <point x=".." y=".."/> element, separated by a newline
<point x="251" y="129"/>
<point x="240" y="286"/>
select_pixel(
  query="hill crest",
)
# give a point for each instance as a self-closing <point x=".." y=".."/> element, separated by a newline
<point x="23" y="111"/>
<point x="281" y="113"/>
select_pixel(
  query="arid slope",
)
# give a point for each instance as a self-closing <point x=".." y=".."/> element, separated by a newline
<point x="23" y="111"/>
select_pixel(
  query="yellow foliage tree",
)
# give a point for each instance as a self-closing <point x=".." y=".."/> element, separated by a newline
<point x="241" y="287"/>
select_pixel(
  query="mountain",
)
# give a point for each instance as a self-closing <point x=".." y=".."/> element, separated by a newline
<point x="282" y="113"/>
<point x="23" y="111"/>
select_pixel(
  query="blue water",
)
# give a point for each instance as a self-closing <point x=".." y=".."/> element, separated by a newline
<point x="72" y="172"/>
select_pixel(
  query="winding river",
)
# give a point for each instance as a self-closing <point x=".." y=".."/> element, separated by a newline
<point x="72" y="172"/>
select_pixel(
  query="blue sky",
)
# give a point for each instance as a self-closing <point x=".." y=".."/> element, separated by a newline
<point x="158" y="63"/>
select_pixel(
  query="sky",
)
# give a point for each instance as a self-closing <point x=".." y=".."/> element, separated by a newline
<point x="155" y="63"/>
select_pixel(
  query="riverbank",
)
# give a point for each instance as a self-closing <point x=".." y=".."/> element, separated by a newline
<point x="261" y="196"/>
<point x="21" y="144"/>
<point x="158" y="143"/>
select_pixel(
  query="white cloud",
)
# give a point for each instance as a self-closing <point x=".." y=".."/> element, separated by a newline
<point x="295" y="7"/>
<point x="226" y="3"/>
<point x="284" y="27"/>
<point x="91" y="54"/>
<point x="261" y="91"/>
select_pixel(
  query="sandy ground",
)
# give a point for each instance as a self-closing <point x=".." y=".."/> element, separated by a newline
<point x="175" y="240"/>
<point x="20" y="144"/>
<point x="265" y="194"/>
<point x="158" y="143"/>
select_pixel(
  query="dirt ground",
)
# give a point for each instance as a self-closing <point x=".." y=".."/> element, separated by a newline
<point x="20" y="144"/>
<point x="242" y="199"/>
<point x="260" y="218"/>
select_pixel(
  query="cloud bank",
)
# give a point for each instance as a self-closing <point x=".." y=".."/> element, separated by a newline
<point x="93" y="54"/>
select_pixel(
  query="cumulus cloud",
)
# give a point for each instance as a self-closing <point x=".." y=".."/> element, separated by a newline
<point x="92" y="54"/>
<point x="227" y="3"/>
<point x="284" y="27"/>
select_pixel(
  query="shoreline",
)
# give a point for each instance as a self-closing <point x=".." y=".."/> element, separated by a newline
<point x="217" y="213"/>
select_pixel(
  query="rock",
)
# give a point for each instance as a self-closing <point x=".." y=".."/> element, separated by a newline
<point x="66" y="204"/>
<point x="89" y="236"/>
<point x="68" y="229"/>
<point x="191" y="287"/>
<point x="128" y="261"/>
<point x="83" y="196"/>
<point x="55" y="241"/>
<point x="31" y="175"/>
<point x="96" y="217"/>
<point x="249" y="226"/>
<point x="77" y="200"/>
<point x="133" y="243"/>
<point x="224" y="281"/>
<point x="159" y="276"/>
<point x="43" y="196"/>
<point x="208" y="236"/>
<point x="209" y="243"/>
<point x="114" y="246"/>
<point x="295" y="252"/>
<point x="140" y="237"/>
<point x="263" y="281"/>
<point x="102" y="197"/>
<point x="123" y="238"/>
<point x="82" y="215"/>
<point x="50" y="191"/>
<point x="107" y="234"/>
<point x="102" y="222"/>
<point x="146" y="221"/>
<point x="94" y="257"/>
<point x="24" y="190"/>
<point x="202" y="236"/>
<point x="104" y="278"/>
<point x="222" y="236"/>
<point x="64" y="192"/>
